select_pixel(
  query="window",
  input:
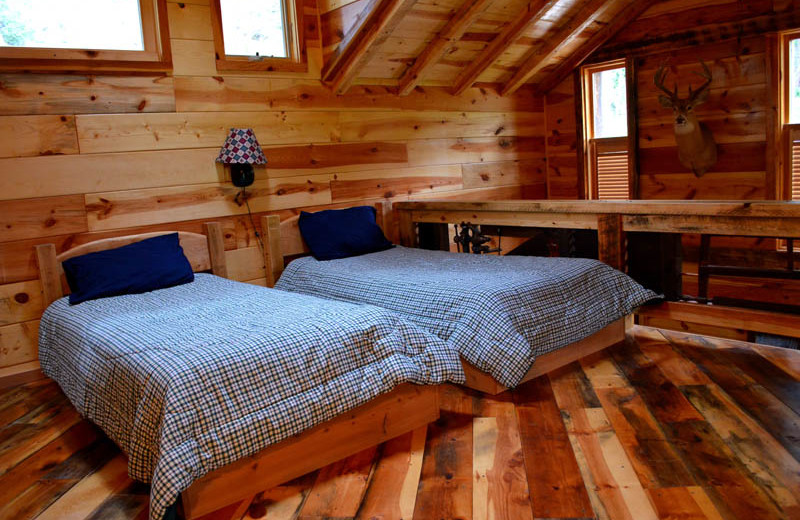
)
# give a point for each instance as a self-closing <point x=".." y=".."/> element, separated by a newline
<point x="793" y="88"/>
<point x="788" y="164"/>
<point x="606" y="135"/>
<point x="83" y="34"/>
<point x="258" y="35"/>
<point x="792" y="100"/>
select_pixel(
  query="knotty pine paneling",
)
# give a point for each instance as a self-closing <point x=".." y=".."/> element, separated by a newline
<point x="42" y="217"/>
<point x="55" y="94"/>
<point x="307" y="159"/>
<point x="189" y="21"/>
<point x="357" y="126"/>
<point x="134" y="132"/>
<point x="27" y="177"/>
<point x="508" y="173"/>
<point x="561" y="142"/>
<point x="193" y="58"/>
<point x="20" y="302"/>
<point x="475" y="150"/>
<point x="25" y="136"/>
<point x="235" y="93"/>
<point x="712" y="186"/>
<point x="353" y="186"/>
<point x="121" y="209"/>
<point x="19" y="342"/>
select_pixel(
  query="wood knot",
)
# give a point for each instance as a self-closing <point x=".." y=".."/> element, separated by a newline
<point x="22" y="297"/>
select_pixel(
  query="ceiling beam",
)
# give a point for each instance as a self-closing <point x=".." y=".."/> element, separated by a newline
<point x="442" y="43"/>
<point x="534" y="12"/>
<point x="542" y="54"/>
<point x="376" y="23"/>
<point x="631" y="12"/>
<point x="334" y="62"/>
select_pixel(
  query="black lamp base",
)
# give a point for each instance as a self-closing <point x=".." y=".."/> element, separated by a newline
<point x="242" y="175"/>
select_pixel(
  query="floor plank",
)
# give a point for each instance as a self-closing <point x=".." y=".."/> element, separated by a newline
<point x="666" y="425"/>
<point x="773" y="415"/>
<point x="556" y="487"/>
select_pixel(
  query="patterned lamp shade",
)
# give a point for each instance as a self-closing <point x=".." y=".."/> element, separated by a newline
<point x="241" y="147"/>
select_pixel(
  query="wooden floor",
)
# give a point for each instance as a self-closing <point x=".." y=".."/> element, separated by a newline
<point x="667" y="425"/>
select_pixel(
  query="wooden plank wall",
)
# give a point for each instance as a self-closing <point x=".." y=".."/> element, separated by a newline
<point x="85" y="157"/>
<point x="731" y="37"/>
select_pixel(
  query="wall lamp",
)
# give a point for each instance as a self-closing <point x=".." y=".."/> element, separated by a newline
<point x="241" y="151"/>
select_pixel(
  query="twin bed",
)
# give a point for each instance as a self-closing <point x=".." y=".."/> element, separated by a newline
<point x="511" y="318"/>
<point x="217" y="389"/>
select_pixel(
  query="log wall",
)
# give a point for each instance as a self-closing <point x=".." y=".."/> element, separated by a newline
<point x="85" y="157"/>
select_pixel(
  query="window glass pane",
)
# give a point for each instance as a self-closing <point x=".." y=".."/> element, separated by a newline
<point x="609" y="103"/>
<point x="253" y="28"/>
<point x="794" y="81"/>
<point x="71" y="24"/>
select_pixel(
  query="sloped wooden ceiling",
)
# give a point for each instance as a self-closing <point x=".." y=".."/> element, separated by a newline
<point x="461" y="43"/>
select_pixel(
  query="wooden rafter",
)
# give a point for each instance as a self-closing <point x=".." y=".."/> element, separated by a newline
<point x="375" y="24"/>
<point x="631" y="12"/>
<point x="442" y="44"/>
<point x="532" y="13"/>
<point x="335" y="60"/>
<point x="542" y="54"/>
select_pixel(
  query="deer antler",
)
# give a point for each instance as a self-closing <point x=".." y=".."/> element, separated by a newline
<point x="706" y="74"/>
<point x="661" y="75"/>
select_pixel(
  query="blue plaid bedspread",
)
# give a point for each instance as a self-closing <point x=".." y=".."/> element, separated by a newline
<point x="190" y="378"/>
<point x="499" y="313"/>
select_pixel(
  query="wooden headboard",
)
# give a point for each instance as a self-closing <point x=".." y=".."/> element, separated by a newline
<point x="203" y="252"/>
<point x="282" y="239"/>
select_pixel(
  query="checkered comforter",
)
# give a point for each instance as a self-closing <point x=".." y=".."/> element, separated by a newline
<point x="498" y="312"/>
<point x="190" y="378"/>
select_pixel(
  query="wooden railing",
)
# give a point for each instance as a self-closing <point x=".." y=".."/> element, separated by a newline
<point x="612" y="218"/>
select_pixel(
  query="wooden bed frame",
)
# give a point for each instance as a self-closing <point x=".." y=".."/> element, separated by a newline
<point x="283" y="239"/>
<point x="402" y="410"/>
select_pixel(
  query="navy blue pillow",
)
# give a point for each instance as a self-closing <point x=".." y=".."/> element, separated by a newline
<point x="147" y="265"/>
<point x="340" y="233"/>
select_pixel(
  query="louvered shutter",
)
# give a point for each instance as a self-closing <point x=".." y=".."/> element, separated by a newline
<point x="610" y="158"/>
<point x="795" y="169"/>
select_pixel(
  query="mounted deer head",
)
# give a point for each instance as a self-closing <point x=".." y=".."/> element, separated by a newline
<point x="696" y="147"/>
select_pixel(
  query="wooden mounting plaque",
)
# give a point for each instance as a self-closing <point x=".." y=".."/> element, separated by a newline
<point x="402" y="410"/>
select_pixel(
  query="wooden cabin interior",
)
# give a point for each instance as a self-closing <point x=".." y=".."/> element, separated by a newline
<point x="548" y="123"/>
